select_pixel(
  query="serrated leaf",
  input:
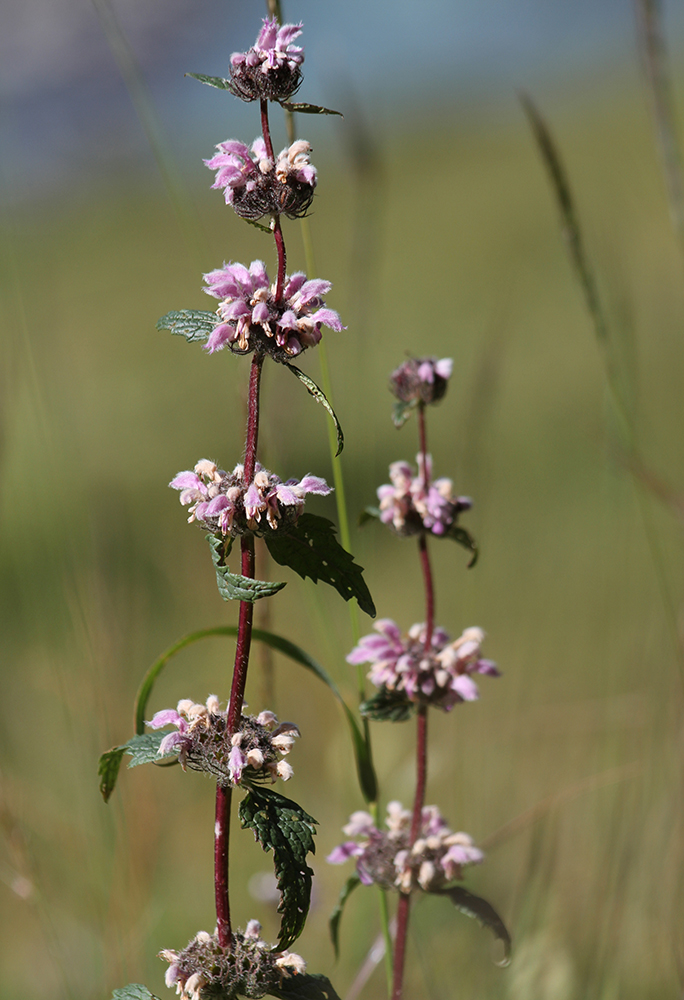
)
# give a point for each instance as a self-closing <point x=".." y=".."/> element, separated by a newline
<point x="306" y="987"/>
<point x="108" y="770"/>
<point x="144" y="749"/>
<point x="311" y="549"/>
<point x="465" y="539"/>
<point x="219" y="82"/>
<point x="308" y="109"/>
<point x="134" y="991"/>
<point x="387" y="706"/>
<point x="368" y="514"/>
<point x="336" y="915"/>
<point x="480" y="910"/>
<point x="282" y="826"/>
<point x="193" y="324"/>
<point x="232" y="586"/>
<point x="401" y="411"/>
<point x="320" y="397"/>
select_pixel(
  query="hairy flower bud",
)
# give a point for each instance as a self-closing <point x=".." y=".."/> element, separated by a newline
<point x="421" y="380"/>
<point x="203" y="742"/>
<point x="249" y="968"/>
<point x="271" y="69"/>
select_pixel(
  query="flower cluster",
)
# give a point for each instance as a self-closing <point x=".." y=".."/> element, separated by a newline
<point x="203" y="742"/>
<point x="414" y="503"/>
<point x="421" y="380"/>
<point x="271" y="69"/>
<point x="252" y="319"/>
<point x="386" y="858"/>
<point x="254" y="185"/>
<point x="439" y="677"/>
<point x="249" y="969"/>
<point x="224" y="504"/>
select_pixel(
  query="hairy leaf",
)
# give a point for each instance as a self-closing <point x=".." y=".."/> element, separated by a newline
<point x="134" y="991"/>
<point x="308" y="109"/>
<point x="401" y="411"/>
<point x="480" y="910"/>
<point x="219" y="82"/>
<point x="232" y="586"/>
<point x="306" y="987"/>
<point x="108" y="770"/>
<point x="282" y="826"/>
<point x="321" y="398"/>
<point x="193" y="324"/>
<point x="387" y="706"/>
<point x="368" y="514"/>
<point x="336" y="915"/>
<point x="258" y="225"/>
<point x="144" y="749"/>
<point x="465" y="539"/>
<point x="311" y="549"/>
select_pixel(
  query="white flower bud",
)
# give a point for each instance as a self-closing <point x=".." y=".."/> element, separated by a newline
<point x="284" y="770"/>
<point x="255" y="758"/>
<point x="267" y="719"/>
<point x="426" y="874"/>
<point x="213" y="705"/>
<point x="289" y="961"/>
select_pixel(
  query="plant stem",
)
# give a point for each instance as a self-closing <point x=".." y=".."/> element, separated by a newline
<point x="221" y="839"/>
<point x="277" y="231"/>
<point x="237" y="691"/>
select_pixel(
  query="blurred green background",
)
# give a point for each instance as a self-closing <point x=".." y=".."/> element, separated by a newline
<point x="440" y="238"/>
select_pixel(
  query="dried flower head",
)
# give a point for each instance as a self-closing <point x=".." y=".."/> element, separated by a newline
<point x="250" y="968"/>
<point x="439" y="677"/>
<point x="421" y="380"/>
<point x="386" y="858"/>
<point x="225" y="505"/>
<point x="271" y="69"/>
<point x="251" y="318"/>
<point x="203" y="742"/>
<point x="254" y="185"/>
<point x="414" y="503"/>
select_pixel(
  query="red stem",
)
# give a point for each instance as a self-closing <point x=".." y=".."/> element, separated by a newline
<point x="237" y="691"/>
<point x="405" y="898"/>
<point x="422" y="431"/>
<point x="277" y="231"/>
<point x="429" y="590"/>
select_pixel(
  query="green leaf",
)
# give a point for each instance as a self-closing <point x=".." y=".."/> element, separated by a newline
<point x="387" y="706"/>
<point x="193" y="324"/>
<point x="482" y="911"/>
<point x="336" y="915"/>
<point x="219" y="82"/>
<point x="305" y="987"/>
<point x="311" y="549"/>
<point x="321" y="398"/>
<point x="307" y="109"/>
<point x="465" y="539"/>
<point x="134" y="991"/>
<point x="368" y="514"/>
<point x="108" y="770"/>
<point x="401" y="411"/>
<point x="258" y="225"/>
<point x="232" y="586"/>
<point x="282" y="826"/>
<point x="144" y="749"/>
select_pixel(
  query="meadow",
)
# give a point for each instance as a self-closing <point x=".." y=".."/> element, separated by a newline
<point x="439" y="239"/>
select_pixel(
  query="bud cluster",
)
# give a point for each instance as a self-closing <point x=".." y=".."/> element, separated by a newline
<point x="252" y="318"/>
<point x="249" y="969"/>
<point x="204" y="743"/>
<point x="224" y="504"/>
<point x="421" y="380"/>
<point x="440" y="677"/>
<point x="254" y="185"/>
<point x="385" y="858"/>
<point x="271" y="69"/>
<point x="414" y="503"/>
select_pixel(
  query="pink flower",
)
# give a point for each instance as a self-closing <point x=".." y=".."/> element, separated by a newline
<point x="440" y="677"/>
<point x="414" y="503"/>
<point x="271" y="69"/>
<point x="250" y="315"/>
<point x="255" y="186"/>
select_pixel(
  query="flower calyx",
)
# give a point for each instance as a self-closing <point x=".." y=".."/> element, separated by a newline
<point x="203" y="742"/>
<point x="250" y="968"/>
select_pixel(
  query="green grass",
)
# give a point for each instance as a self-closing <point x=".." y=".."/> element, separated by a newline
<point x="578" y="746"/>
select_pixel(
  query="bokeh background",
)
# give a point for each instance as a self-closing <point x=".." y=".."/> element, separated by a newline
<point x="437" y="226"/>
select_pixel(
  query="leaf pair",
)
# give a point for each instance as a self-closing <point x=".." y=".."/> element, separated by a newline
<point x="221" y="83"/>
